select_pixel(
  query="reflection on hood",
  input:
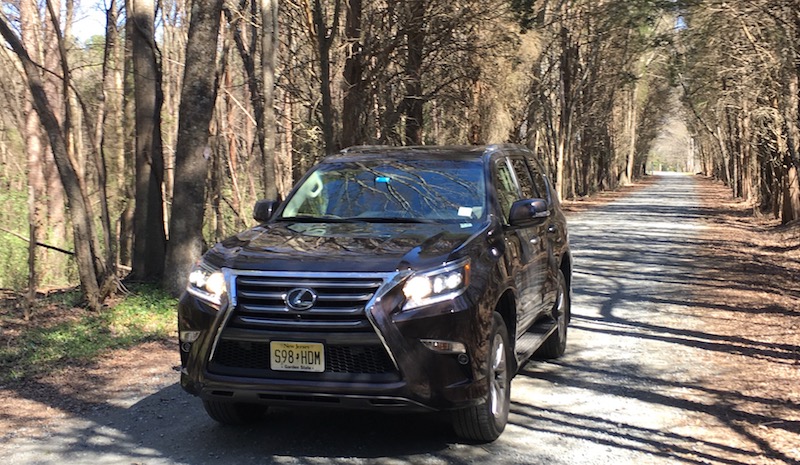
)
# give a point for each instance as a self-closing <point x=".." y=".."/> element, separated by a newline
<point x="385" y="247"/>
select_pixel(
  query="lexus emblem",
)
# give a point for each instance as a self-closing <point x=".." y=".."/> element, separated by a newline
<point x="301" y="298"/>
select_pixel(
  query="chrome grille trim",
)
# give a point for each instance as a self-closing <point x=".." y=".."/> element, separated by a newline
<point x="314" y="311"/>
<point x="340" y="302"/>
<point x="290" y="279"/>
<point x="315" y="325"/>
<point x="382" y="283"/>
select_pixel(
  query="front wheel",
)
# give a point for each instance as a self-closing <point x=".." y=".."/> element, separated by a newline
<point x="486" y="421"/>
<point x="234" y="413"/>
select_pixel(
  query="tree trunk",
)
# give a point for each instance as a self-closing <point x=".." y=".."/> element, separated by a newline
<point x="284" y="164"/>
<point x="227" y="145"/>
<point x="173" y="43"/>
<point x="198" y="94"/>
<point x="791" y="191"/>
<point x="353" y="108"/>
<point x="269" y="52"/>
<point x="72" y="131"/>
<point x="33" y="145"/>
<point x="109" y="128"/>
<point x="325" y="38"/>
<point x="113" y="143"/>
<point x="149" y="235"/>
<point x="127" y="165"/>
<point x="791" y="195"/>
<point x="57" y="222"/>
<point x="415" y="42"/>
<point x="96" y="137"/>
<point x="36" y="190"/>
<point x="633" y="122"/>
<point x="568" y="59"/>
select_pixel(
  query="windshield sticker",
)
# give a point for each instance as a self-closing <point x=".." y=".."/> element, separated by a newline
<point x="465" y="211"/>
<point x="383" y="179"/>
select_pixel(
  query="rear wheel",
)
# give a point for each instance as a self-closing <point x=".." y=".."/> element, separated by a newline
<point x="234" y="413"/>
<point x="556" y="343"/>
<point x="485" y="422"/>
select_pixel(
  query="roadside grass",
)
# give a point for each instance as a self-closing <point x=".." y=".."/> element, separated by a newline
<point x="67" y="335"/>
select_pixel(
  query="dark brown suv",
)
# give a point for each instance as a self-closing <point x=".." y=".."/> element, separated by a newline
<point x="391" y="278"/>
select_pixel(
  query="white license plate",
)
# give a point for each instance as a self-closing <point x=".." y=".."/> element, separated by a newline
<point x="297" y="356"/>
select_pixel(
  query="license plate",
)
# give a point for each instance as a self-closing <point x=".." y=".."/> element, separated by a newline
<point x="297" y="356"/>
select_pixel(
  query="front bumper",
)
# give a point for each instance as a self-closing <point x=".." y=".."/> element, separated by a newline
<point x="383" y="365"/>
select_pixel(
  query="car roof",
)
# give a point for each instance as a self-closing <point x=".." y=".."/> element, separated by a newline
<point x="381" y="152"/>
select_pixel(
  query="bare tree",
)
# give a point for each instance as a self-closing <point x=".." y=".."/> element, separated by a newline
<point x="739" y="74"/>
<point x="90" y="267"/>
<point x="149" y="234"/>
<point x="35" y="150"/>
<point x="353" y="104"/>
<point x="198" y="97"/>
<point x="269" y="51"/>
<point x="323" y="35"/>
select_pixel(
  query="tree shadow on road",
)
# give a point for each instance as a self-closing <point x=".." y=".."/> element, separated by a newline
<point x="170" y="426"/>
<point x="698" y="284"/>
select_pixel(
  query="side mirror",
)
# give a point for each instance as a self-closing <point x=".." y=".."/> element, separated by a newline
<point x="264" y="209"/>
<point x="528" y="212"/>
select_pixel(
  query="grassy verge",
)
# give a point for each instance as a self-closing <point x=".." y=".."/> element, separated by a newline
<point x="60" y="334"/>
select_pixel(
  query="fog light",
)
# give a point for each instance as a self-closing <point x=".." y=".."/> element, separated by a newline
<point x="463" y="359"/>
<point x="445" y="347"/>
<point x="189" y="336"/>
<point x="186" y="346"/>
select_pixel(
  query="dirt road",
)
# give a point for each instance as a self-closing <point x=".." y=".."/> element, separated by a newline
<point x="637" y="384"/>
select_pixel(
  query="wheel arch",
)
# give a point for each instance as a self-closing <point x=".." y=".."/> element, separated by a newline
<point x="507" y="308"/>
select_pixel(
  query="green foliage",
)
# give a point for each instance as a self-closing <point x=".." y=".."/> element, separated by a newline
<point x="14" y="251"/>
<point x="54" y="268"/>
<point x="146" y="314"/>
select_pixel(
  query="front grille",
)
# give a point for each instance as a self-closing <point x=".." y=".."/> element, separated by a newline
<point x="358" y="359"/>
<point x="352" y="359"/>
<point x="337" y="319"/>
<point x="339" y="306"/>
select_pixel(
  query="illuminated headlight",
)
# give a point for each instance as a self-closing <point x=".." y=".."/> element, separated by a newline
<point x="437" y="285"/>
<point x="207" y="283"/>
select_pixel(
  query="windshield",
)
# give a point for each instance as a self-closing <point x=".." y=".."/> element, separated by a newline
<point x="403" y="191"/>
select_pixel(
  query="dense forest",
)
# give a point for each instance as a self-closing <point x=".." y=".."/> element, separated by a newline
<point x="127" y="153"/>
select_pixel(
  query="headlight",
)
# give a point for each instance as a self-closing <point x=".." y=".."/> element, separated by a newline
<point x="207" y="283"/>
<point x="437" y="285"/>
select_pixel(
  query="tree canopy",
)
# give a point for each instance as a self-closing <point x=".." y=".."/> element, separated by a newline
<point x="160" y="134"/>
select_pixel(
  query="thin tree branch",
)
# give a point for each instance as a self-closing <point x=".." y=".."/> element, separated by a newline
<point x="40" y="244"/>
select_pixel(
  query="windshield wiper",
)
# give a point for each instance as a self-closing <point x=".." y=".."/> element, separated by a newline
<point x="353" y="219"/>
<point x="391" y="219"/>
<point x="317" y="219"/>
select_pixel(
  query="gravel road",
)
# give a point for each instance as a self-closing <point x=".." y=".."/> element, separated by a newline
<point x="631" y="388"/>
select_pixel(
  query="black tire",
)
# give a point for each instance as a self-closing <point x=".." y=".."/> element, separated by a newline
<point x="485" y="422"/>
<point x="234" y="413"/>
<point x="556" y="343"/>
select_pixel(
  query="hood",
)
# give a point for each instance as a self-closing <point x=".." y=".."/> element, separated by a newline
<point x="354" y="247"/>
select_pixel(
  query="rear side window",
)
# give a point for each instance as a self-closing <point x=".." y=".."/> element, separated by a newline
<point x="539" y="181"/>
<point x="524" y="178"/>
<point x="507" y="192"/>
